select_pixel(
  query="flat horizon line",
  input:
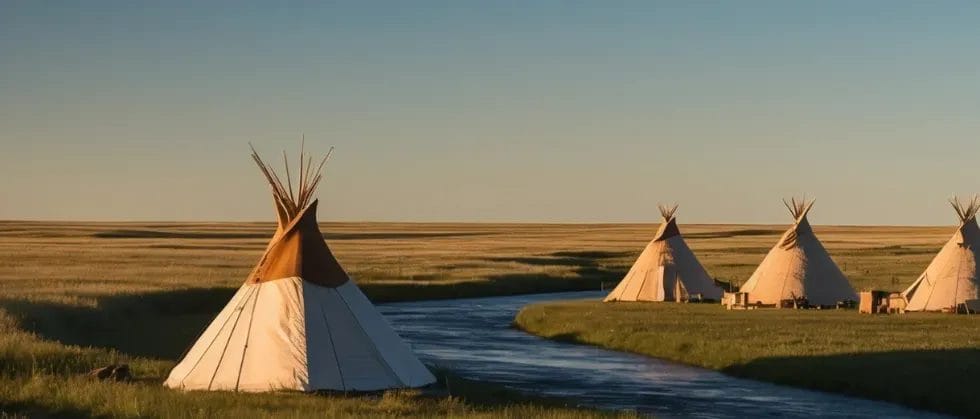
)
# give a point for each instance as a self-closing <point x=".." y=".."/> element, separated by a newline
<point x="177" y="222"/>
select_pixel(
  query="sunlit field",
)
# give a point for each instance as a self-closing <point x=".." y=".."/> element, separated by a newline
<point x="922" y="360"/>
<point x="80" y="295"/>
<point x="76" y="263"/>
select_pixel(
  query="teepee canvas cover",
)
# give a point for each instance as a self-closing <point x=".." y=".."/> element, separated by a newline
<point x="798" y="266"/>
<point x="951" y="278"/>
<point x="667" y="270"/>
<point x="298" y="322"/>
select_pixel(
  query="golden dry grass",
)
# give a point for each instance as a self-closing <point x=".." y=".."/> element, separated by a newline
<point x="52" y="270"/>
<point x="922" y="360"/>
<point x="79" y="261"/>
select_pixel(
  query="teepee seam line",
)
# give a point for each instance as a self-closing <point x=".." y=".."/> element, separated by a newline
<point x="374" y="345"/>
<point x="210" y="344"/>
<point x="333" y="345"/>
<point x="932" y="289"/>
<point x="227" y="342"/>
<point x="248" y="335"/>
<point x="959" y="268"/>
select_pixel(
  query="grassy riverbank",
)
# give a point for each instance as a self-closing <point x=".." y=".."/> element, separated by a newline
<point x="41" y="378"/>
<point x="78" y="295"/>
<point x="77" y="262"/>
<point x="921" y="360"/>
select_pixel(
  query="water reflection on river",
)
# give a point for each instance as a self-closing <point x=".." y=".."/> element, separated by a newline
<point x="474" y="338"/>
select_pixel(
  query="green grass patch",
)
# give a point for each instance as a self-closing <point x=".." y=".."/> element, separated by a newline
<point x="44" y="378"/>
<point x="927" y="361"/>
<point x="81" y="295"/>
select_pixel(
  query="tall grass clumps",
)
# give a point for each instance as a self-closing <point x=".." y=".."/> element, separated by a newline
<point x="76" y="296"/>
<point x="41" y="378"/>
<point x="920" y="360"/>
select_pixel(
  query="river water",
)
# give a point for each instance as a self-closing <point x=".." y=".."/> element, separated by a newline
<point x="474" y="338"/>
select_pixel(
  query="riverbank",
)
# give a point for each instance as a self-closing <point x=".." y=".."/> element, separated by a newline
<point x="76" y="263"/>
<point x="46" y="378"/>
<point x="918" y="360"/>
<point x="77" y="296"/>
<point x="83" y="294"/>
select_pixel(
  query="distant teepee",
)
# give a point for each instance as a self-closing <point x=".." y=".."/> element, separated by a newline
<point x="298" y="322"/>
<point x="798" y="266"/>
<point x="951" y="278"/>
<point x="667" y="270"/>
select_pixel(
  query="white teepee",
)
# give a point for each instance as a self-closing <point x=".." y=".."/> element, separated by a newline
<point x="298" y="322"/>
<point x="798" y="266"/>
<point x="951" y="279"/>
<point x="667" y="270"/>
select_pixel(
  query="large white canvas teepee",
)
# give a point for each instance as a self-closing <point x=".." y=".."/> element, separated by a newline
<point x="951" y="279"/>
<point x="667" y="270"/>
<point x="298" y="322"/>
<point x="798" y="266"/>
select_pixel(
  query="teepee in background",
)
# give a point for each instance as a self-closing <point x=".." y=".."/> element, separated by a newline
<point x="298" y="322"/>
<point x="798" y="266"/>
<point x="667" y="270"/>
<point x="951" y="279"/>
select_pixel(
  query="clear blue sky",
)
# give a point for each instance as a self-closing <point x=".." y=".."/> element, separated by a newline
<point x="492" y="111"/>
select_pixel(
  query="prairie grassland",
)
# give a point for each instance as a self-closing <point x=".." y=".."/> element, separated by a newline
<point x="74" y="296"/>
<point x="78" y="295"/>
<point x="41" y="378"/>
<point x="77" y="262"/>
<point x="923" y="360"/>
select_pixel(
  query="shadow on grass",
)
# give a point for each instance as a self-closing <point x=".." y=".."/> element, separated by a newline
<point x="756" y="250"/>
<point x="254" y="247"/>
<point x="587" y="275"/>
<point x="37" y="410"/>
<point x="161" y="234"/>
<point x="732" y="233"/>
<point x="164" y="324"/>
<point x="583" y="279"/>
<point x="588" y="269"/>
<point x="895" y="250"/>
<point x="584" y="259"/>
<point x="591" y="254"/>
<point x="156" y="325"/>
<point x="938" y="380"/>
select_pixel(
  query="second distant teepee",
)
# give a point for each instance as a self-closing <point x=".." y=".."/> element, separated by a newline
<point x="798" y="266"/>
<point x="667" y="270"/>
<point x="951" y="279"/>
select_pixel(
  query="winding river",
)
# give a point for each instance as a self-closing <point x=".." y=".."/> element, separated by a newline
<point x="474" y="338"/>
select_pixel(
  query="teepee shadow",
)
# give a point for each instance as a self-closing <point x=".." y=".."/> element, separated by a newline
<point x="895" y="376"/>
<point x="155" y="325"/>
<point x="733" y="233"/>
<point x="579" y="259"/>
<point x="224" y="235"/>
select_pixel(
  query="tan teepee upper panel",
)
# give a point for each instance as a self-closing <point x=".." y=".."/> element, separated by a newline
<point x="951" y="278"/>
<point x="667" y="270"/>
<point x="668" y="229"/>
<point x="798" y="266"/>
<point x="299" y="251"/>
